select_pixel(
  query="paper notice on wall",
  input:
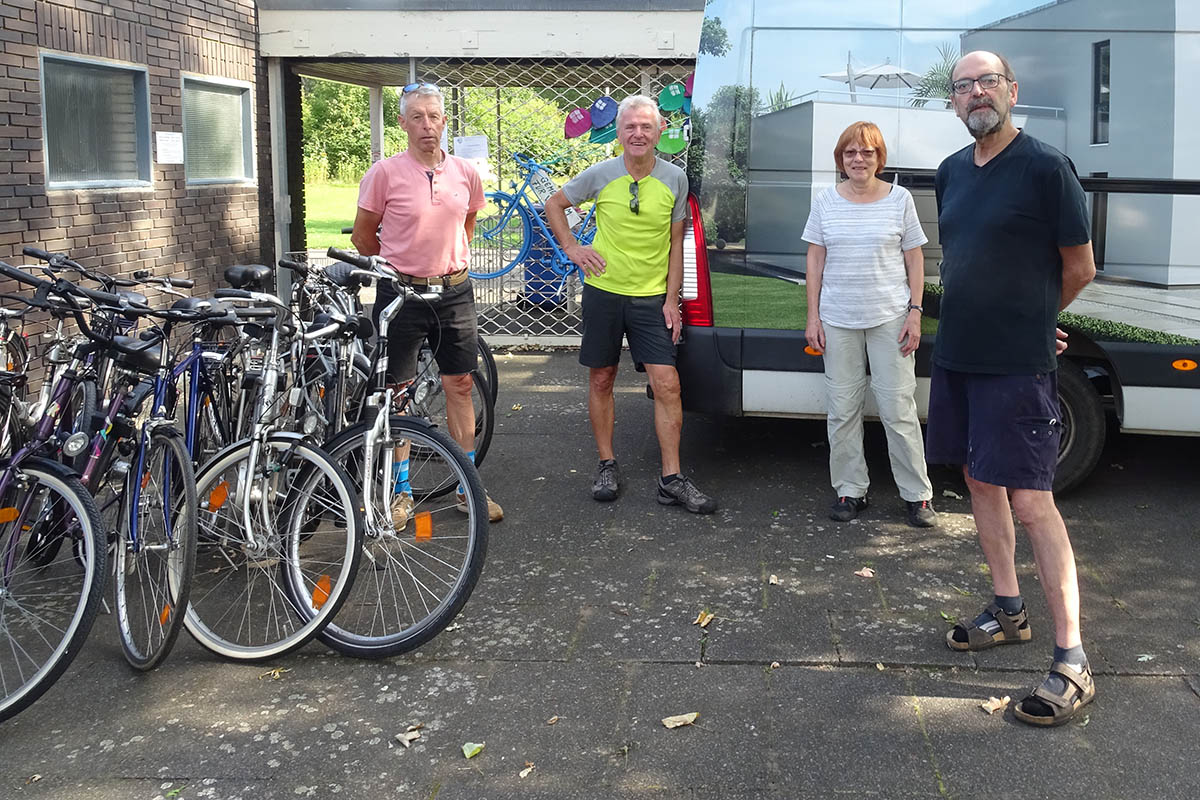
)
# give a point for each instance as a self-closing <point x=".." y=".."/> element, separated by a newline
<point x="475" y="150"/>
<point x="169" y="147"/>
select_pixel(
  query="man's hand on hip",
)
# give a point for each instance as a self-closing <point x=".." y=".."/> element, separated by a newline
<point x="591" y="262"/>
<point x="673" y="319"/>
<point x="1060" y="341"/>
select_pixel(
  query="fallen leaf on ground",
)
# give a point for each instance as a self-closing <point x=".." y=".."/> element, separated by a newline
<point x="703" y="618"/>
<point x="472" y="749"/>
<point x="409" y="736"/>
<point x="948" y="617"/>
<point x="879" y="666"/>
<point x="994" y="704"/>
<point x="528" y="769"/>
<point x="952" y="495"/>
<point x="553" y="720"/>
<point x="33" y="778"/>
<point x="865" y="572"/>
<point x="274" y="674"/>
<point x="679" y="720"/>
<point x="1145" y="657"/>
<point x="775" y="665"/>
<point x="773" y="580"/>
<point x="699" y="664"/>
<point x="517" y="406"/>
<point x="1086" y="719"/>
<point x="456" y="626"/>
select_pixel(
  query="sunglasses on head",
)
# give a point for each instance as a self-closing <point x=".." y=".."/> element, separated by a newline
<point x="412" y="87"/>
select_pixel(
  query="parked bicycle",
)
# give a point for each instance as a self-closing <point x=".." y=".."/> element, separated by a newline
<point x="513" y="230"/>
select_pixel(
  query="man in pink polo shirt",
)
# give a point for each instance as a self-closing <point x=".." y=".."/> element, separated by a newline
<point x="426" y="202"/>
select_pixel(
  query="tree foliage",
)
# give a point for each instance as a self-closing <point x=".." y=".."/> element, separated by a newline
<point x="336" y="137"/>
<point x="718" y="158"/>
<point x="935" y="83"/>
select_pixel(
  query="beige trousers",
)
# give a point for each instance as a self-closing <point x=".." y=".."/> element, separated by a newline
<point x="893" y="383"/>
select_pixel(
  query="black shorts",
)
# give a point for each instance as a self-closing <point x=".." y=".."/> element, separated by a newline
<point x="450" y="324"/>
<point x="608" y="316"/>
<point x="1004" y="428"/>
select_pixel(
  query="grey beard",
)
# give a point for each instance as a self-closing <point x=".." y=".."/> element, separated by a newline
<point x="984" y="121"/>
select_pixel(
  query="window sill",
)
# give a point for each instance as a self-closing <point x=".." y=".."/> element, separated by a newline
<point x="98" y="186"/>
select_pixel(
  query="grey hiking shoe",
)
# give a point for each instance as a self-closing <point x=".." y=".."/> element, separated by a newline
<point x="847" y="508"/>
<point x="682" y="492"/>
<point x="608" y="481"/>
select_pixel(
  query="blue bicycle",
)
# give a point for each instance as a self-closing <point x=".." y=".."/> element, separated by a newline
<point x="512" y="230"/>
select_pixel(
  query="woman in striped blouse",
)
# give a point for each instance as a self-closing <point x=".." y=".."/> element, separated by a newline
<point x="865" y="276"/>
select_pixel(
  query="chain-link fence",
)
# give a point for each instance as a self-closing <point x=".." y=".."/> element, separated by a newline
<point x="520" y="107"/>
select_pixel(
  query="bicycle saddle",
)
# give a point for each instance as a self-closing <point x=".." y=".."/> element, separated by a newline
<point x="146" y="355"/>
<point x="249" y="276"/>
<point x="339" y="273"/>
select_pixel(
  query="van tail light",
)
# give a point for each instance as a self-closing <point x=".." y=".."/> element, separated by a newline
<point x="697" y="287"/>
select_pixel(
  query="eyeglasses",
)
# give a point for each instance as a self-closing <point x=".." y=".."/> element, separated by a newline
<point x="633" y="201"/>
<point x="412" y="87"/>
<point x="989" y="81"/>
<point x="867" y="153"/>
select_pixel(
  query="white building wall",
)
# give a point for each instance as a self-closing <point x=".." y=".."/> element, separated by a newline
<point x="479" y="34"/>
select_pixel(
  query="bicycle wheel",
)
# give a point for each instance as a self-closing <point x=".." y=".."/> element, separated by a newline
<point x="429" y="403"/>
<point x="485" y="365"/>
<point x="411" y="582"/>
<point x="277" y="549"/>
<point x="77" y="416"/>
<point x="154" y="575"/>
<point x="503" y="231"/>
<point x="13" y="390"/>
<point x="47" y="609"/>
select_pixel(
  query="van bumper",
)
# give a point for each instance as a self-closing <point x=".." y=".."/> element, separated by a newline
<point x="710" y="375"/>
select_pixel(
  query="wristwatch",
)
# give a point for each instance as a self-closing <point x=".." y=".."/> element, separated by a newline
<point x="911" y="306"/>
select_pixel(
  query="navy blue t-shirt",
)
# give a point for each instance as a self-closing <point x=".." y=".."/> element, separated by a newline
<point x="1000" y="227"/>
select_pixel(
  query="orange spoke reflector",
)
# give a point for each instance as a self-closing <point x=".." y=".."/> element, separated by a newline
<point x="146" y="479"/>
<point x="165" y="615"/>
<point x="218" y="496"/>
<point x="1184" y="365"/>
<point x="424" y="526"/>
<point x="8" y="514"/>
<point x="321" y="392"/>
<point x="812" y="351"/>
<point x="321" y="591"/>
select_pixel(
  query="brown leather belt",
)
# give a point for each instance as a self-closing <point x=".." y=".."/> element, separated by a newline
<point x="453" y="279"/>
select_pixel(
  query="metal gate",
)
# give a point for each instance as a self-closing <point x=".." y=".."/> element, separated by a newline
<point x="520" y="106"/>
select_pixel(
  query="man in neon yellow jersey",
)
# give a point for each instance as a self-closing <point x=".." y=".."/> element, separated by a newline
<point x="634" y="272"/>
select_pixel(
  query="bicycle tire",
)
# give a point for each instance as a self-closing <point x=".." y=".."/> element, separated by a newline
<point x="78" y="416"/>
<point x="311" y="522"/>
<point x="411" y="583"/>
<point x="153" y="584"/>
<point x="64" y="593"/>
<point x="16" y="360"/>
<point x="485" y="364"/>
<point x="502" y="237"/>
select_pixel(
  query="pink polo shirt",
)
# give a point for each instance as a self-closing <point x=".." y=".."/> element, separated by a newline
<point x="423" y="212"/>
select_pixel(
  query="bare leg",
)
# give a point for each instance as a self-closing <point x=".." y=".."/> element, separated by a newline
<point x="601" y="408"/>
<point x="997" y="535"/>
<point x="668" y="413"/>
<point x="1055" y="560"/>
<point x="460" y="410"/>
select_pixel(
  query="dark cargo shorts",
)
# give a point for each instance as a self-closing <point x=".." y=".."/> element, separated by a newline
<point x="608" y="316"/>
<point x="1004" y="428"/>
<point x="450" y="324"/>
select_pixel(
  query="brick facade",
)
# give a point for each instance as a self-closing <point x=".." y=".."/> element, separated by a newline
<point x="170" y="228"/>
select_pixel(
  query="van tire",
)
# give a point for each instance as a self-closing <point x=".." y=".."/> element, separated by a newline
<point x="1084" y="428"/>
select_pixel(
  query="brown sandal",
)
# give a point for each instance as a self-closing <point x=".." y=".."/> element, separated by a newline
<point x="1064" y="706"/>
<point x="1014" y="629"/>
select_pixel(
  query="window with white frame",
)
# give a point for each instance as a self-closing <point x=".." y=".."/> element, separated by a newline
<point x="217" y="131"/>
<point x="96" y="122"/>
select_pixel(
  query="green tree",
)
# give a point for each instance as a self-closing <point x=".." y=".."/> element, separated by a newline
<point x="718" y="158"/>
<point x="714" y="39"/>
<point x="336" y="138"/>
<point x="935" y="84"/>
<point x="779" y="99"/>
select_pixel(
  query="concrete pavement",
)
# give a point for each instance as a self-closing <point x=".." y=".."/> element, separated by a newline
<point x="584" y="617"/>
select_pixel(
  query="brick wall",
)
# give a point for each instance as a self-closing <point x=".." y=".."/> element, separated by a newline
<point x="170" y="227"/>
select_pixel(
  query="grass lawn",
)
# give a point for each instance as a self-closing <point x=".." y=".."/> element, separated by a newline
<point x="750" y="301"/>
<point x="327" y="209"/>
